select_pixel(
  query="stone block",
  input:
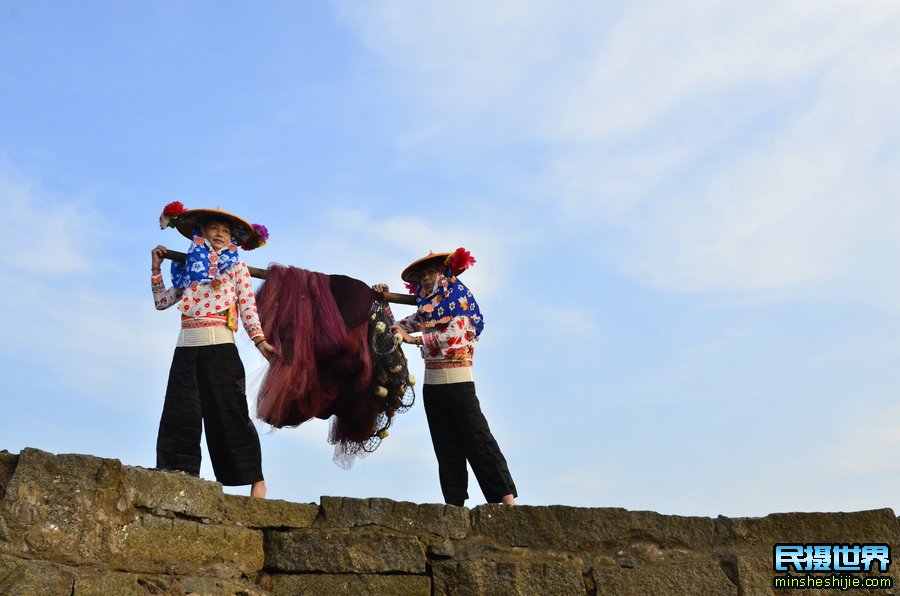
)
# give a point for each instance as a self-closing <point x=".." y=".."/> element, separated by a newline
<point x="694" y="577"/>
<point x="445" y="521"/>
<point x="63" y="507"/>
<point x="352" y="585"/>
<point x="158" y="545"/>
<point x="269" y="513"/>
<point x="4" y="531"/>
<point x="176" y="492"/>
<point x="343" y="551"/>
<point x="7" y="467"/>
<point x="875" y="526"/>
<point x="745" y="545"/>
<point x="471" y="578"/>
<point x="99" y="582"/>
<point x="203" y="586"/>
<point x="30" y="578"/>
<point x="7" y="564"/>
<point x="752" y="572"/>
<point x="590" y="529"/>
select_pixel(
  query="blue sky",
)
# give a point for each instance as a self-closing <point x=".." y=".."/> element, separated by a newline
<point x="684" y="215"/>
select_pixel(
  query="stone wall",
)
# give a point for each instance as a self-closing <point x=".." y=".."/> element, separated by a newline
<point x="76" y="524"/>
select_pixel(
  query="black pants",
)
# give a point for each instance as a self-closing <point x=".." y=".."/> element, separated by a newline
<point x="460" y="432"/>
<point x="206" y="384"/>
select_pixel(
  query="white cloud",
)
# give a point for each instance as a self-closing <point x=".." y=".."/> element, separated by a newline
<point x="376" y="249"/>
<point x="46" y="236"/>
<point x="726" y="147"/>
<point x="85" y="334"/>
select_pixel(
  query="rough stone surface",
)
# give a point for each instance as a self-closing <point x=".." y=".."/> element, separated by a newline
<point x="445" y="521"/>
<point x="581" y="528"/>
<point x="473" y="578"/>
<point x="875" y="526"/>
<point x="176" y="492"/>
<point x="31" y="578"/>
<point x="269" y="513"/>
<point x="79" y="525"/>
<point x="745" y="545"/>
<point x="159" y="545"/>
<point x="7" y="466"/>
<point x="344" y="551"/>
<point x="353" y="585"/>
<point x="696" y="577"/>
<point x="63" y="506"/>
<point x="105" y="583"/>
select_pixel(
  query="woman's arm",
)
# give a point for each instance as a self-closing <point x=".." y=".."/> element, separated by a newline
<point x="163" y="298"/>
<point x="246" y="305"/>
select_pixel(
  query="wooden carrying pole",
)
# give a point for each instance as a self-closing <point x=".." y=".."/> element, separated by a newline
<point x="174" y="255"/>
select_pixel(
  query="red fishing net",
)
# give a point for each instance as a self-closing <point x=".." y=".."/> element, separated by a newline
<point x="332" y="335"/>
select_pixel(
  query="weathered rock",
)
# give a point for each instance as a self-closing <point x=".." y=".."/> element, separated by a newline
<point x="269" y="513"/>
<point x="471" y="578"/>
<point x="4" y="529"/>
<point x="875" y="526"/>
<point x="441" y="520"/>
<point x="695" y="577"/>
<point x="176" y="492"/>
<point x="158" y="545"/>
<point x="63" y="507"/>
<point x="202" y="586"/>
<point x="105" y="583"/>
<point x="343" y="551"/>
<point x="80" y="525"/>
<point x="355" y="585"/>
<point x="7" y="564"/>
<point x="7" y="467"/>
<point x="745" y="545"/>
<point x="590" y="529"/>
<point x="31" y="578"/>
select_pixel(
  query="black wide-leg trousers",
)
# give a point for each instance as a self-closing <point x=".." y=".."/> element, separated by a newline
<point x="460" y="433"/>
<point x="207" y="387"/>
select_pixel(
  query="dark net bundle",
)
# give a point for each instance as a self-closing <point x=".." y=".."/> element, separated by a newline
<point x="391" y="391"/>
<point x="332" y="360"/>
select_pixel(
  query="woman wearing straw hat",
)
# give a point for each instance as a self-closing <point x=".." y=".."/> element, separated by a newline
<point x="450" y="323"/>
<point x="211" y="290"/>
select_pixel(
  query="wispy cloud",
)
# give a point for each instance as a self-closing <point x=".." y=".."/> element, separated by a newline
<point x="376" y="248"/>
<point x="774" y="123"/>
<point x="75" y="329"/>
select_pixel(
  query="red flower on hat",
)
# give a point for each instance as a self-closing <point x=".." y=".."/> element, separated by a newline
<point x="460" y="260"/>
<point x="170" y="214"/>
<point x="174" y="208"/>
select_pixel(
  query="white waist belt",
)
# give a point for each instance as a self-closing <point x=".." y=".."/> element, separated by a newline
<point x="205" y="336"/>
<point x="444" y="376"/>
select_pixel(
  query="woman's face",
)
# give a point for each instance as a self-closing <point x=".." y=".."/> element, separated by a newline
<point x="427" y="277"/>
<point x="218" y="233"/>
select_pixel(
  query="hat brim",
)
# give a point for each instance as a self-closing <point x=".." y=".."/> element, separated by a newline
<point x="437" y="258"/>
<point x="244" y="234"/>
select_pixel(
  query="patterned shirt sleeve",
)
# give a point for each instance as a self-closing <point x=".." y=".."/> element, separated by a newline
<point x="412" y="323"/>
<point x="163" y="298"/>
<point x="246" y="300"/>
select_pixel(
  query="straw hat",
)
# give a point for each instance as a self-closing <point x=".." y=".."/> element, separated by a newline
<point x="248" y="236"/>
<point x="458" y="261"/>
